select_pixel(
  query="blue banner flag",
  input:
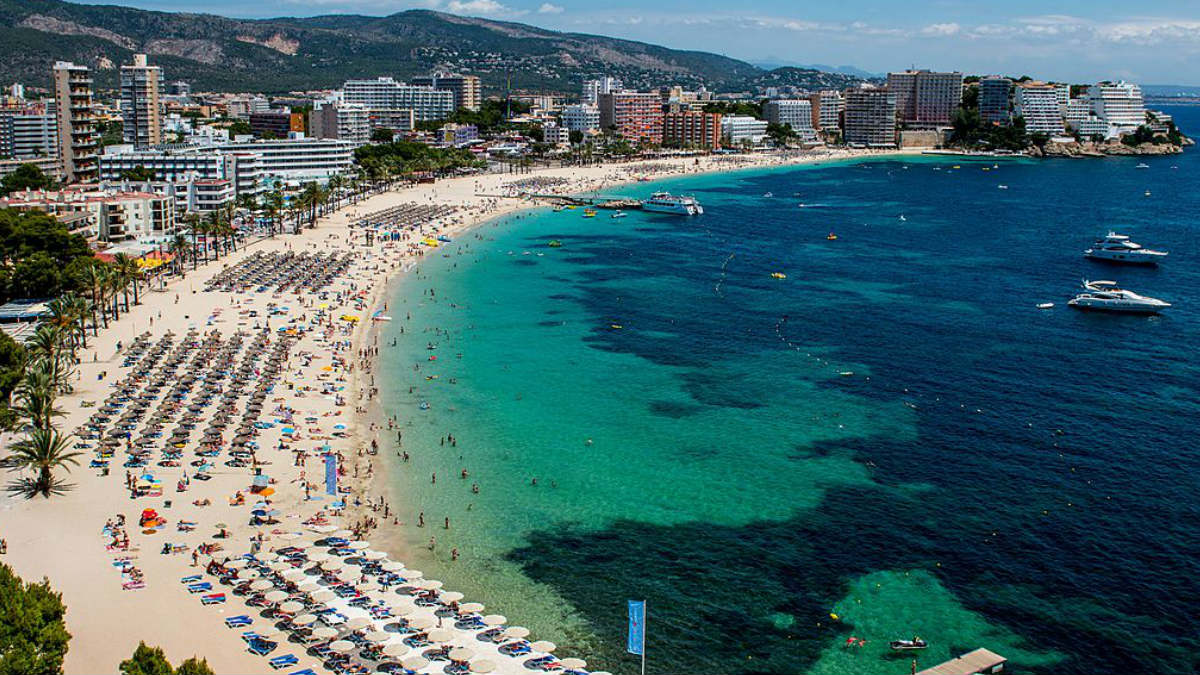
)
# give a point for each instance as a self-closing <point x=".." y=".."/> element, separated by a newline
<point x="636" y="644"/>
<point x="331" y="474"/>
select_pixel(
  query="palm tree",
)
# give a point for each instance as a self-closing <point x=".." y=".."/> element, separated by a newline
<point x="67" y="314"/>
<point x="43" y="451"/>
<point x="273" y="208"/>
<point x="94" y="278"/>
<point x="178" y="247"/>
<point x="36" y="393"/>
<point x="127" y="268"/>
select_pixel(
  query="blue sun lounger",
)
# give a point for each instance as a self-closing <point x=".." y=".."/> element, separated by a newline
<point x="238" y="621"/>
<point x="200" y="587"/>
<point x="213" y="599"/>
<point x="260" y="646"/>
<point x="191" y="579"/>
<point x="306" y="671"/>
<point x="284" y="661"/>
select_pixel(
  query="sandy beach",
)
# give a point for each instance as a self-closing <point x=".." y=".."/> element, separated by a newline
<point x="324" y="396"/>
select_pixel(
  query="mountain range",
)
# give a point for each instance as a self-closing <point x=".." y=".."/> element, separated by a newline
<point x="216" y="53"/>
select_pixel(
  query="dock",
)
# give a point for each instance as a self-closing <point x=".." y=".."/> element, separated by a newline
<point x="599" y="201"/>
<point x="979" y="662"/>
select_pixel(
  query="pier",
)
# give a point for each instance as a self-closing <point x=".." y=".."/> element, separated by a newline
<point x="981" y="661"/>
<point x="598" y="201"/>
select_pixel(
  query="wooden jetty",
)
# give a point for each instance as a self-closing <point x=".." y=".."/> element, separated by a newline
<point x="979" y="662"/>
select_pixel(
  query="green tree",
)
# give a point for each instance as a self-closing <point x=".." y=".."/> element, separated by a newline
<point x="382" y="135"/>
<point x="240" y="128"/>
<point x="138" y="173"/>
<point x="194" y="666"/>
<point x="25" y="177"/>
<point x="33" y="636"/>
<point x="147" y="661"/>
<point x="43" y="451"/>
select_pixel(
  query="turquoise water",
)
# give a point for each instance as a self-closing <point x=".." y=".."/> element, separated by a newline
<point x="891" y="441"/>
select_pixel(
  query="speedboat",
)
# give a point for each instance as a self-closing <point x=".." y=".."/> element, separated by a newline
<point x="1117" y="248"/>
<point x="1142" y="166"/>
<point x="831" y="236"/>
<point x="778" y="275"/>
<point x="618" y="214"/>
<point x="665" y="202"/>
<point x="915" y="643"/>
<point x="1106" y="296"/>
<point x="589" y="213"/>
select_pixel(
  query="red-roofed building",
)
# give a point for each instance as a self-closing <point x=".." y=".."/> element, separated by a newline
<point x="108" y="215"/>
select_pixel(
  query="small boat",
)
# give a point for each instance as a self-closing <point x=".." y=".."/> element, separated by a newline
<point x="443" y="238"/>
<point x="778" y="275"/>
<point x="1147" y="193"/>
<point x="902" y="218"/>
<point x="554" y="243"/>
<point x="424" y="405"/>
<point x="831" y="236"/>
<point x="615" y="326"/>
<point x="1046" y="305"/>
<point x="846" y="373"/>
<point x="1106" y="296"/>
<point x="768" y="195"/>
<point x="572" y="207"/>
<point x="558" y="209"/>
<point x="1142" y="166"/>
<point x="618" y="214"/>
<point x="1002" y="187"/>
<point x="915" y="643"/>
<point x="589" y="213"/>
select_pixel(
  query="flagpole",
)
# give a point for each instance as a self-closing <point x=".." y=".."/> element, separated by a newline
<point x="645" y="618"/>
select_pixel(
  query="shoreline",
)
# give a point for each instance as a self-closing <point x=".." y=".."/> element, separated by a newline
<point x="61" y="539"/>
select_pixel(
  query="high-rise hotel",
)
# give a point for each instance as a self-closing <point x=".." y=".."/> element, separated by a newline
<point x="141" y="103"/>
<point x="77" y="138"/>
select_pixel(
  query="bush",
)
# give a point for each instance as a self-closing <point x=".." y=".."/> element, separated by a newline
<point x="33" y="637"/>
<point x="147" y="661"/>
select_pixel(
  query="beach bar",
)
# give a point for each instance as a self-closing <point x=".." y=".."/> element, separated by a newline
<point x="980" y="661"/>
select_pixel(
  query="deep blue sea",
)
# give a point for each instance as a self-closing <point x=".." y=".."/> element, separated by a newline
<point x="892" y="441"/>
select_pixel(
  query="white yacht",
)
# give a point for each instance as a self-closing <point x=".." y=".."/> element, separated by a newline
<point x="665" y="202"/>
<point x="1118" y="248"/>
<point x="1106" y="296"/>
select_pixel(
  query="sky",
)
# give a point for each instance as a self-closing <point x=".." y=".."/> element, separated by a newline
<point x="1151" y="42"/>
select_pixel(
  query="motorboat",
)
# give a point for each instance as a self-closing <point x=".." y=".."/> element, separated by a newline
<point x="1118" y="248"/>
<point x="1107" y="296"/>
<point x="903" y="645"/>
<point x="1142" y="166"/>
<point x="778" y="275"/>
<point x="1045" y="305"/>
<point x="589" y="213"/>
<point x="831" y="236"/>
<point x="554" y="243"/>
<point x="679" y="205"/>
<point x="618" y="214"/>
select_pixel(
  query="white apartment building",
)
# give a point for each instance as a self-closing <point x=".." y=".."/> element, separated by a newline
<point x="827" y="109"/>
<point x="340" y="121"/>
<point x="796" y="113"/>
<point x="385" y="93"/>
<point x="242" y="107"/>
<point x="605" y="85"/>
<point x="1120" y="105"/>
<point x="115" y="214"/>
<point x="581" y="117"/>
<point x="1038" y="104"/>
<point x="995" y="94"/>
<point x="552" y="133"/>
<point x="184" y="165"/>
<point x="29" y="133"/>
<point x="739" y="129"/>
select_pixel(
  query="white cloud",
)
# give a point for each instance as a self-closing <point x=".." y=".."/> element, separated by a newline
<point x="548" y="8"/>
<point x="481" y="8"/>
<point x="941" y="29"/>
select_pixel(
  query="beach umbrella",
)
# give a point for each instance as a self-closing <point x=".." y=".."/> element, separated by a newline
<point x="290" y="536"/>
<point x="439" y="635"/>
<point x="402" y="609"/>
<point x="374" y="555"/>
<point x="275" y="596"/>
<point x="451" y="596"/>
<point x="470" y="607"/>
<point x="269" y="632"/>
<point x="237" y="563"/>
<point x="341" y="534"/>
<point x="309" y="587"/>
<point x="290" y="607"/>
<point x="395" y="649"/>
<point x="461" y="654"/>
<point x="318" y="557"/>
<point x="543" y="646"/>
<point x="359" y="545"/>
<point x="249" y="574"/>
<point x="482" y="666"/>
<point x="392" y="566"/>
<point x="324" y="632"/>
<point x="349" y="575"/>
<point x="341" y="646"/>
<point x="431" y="584"/>
<point x="424" y="622"/>
<point x="516" y="632"/>
<point x="494" y="620"/>
<point x="414" y="662"/>
<point x="304" y="620"/>
<point x="412" y="574"/>
<point x="573" y="663"/>
<point x="260" y="585"/>
<point x="358" y="623"/>
<point x="280" y="566"/>
<point x="600" y="672"/>
<point x="333" y="564"/>
<point x="323" y="529"/>
<point x="322" y="596"/>
<point x="377" y="636"/>
<point x="293" y="574"/>
<point x="367" y="586"/>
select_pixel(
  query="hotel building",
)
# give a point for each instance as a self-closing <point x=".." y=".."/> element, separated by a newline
<point x="636" y="116"/>
<point x="141" y="104"/>
<point x="581" y="117"/>
<point x="1120" y="105"/>
<point x="795" y="113"/>
<point x="925" y="98"/>
<point x="692" y="129"/>
<point x="1037" y="103"/>
<point x="995" y="94"/>
<point x="827" y="108"/>
<point x="468" y="93"/>
<point x="870" y="117"/>
<point x="384" y="93"/>
<point x="76" y="122"/>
